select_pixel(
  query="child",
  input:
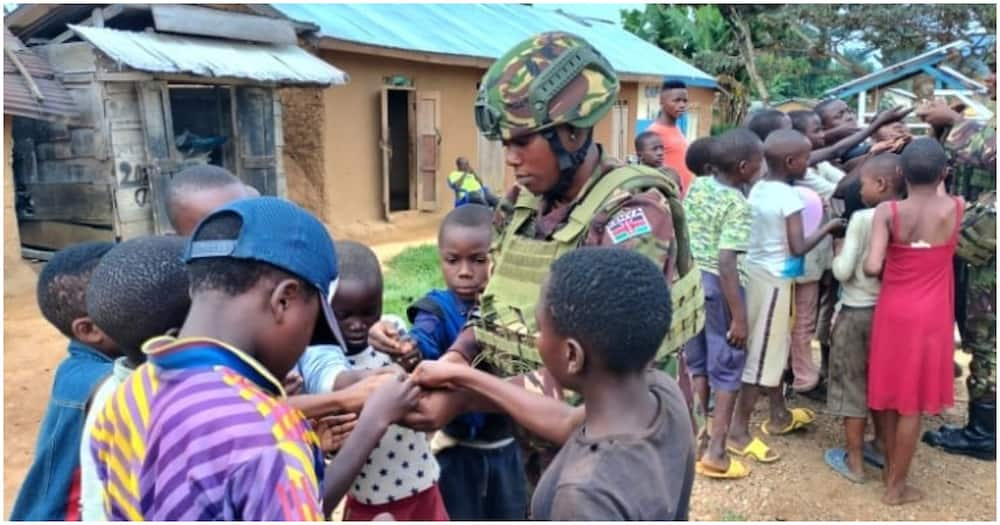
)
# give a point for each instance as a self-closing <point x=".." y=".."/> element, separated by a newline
<point x="147" y="275"/>
<point x="649" y="150"/>
<point x="774" y="259"/>
<point x="468" y="188"/>
<point x="881" y="181"/>
<point x="602" y="314"/>
<point x="806" y="299"/>
<point x="719" y="219"/>
<point x="258" y="269"/>
<point x="401" y="477"/>
<point x="767" y="121"/>
<point x="50" y="491"/>
<point x="912" y="341"/>
<point x="700" y="156"/>
<point x="673" y="105"/>
<point x="196" y="191"/>
<point x="481" y="472"/>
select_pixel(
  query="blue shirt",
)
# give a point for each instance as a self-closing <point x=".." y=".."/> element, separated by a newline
<point x="51" y="490"/>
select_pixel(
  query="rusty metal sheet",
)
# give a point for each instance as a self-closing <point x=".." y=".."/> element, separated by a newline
<point x="18" y="98"/>
<point x="205" y="57"/>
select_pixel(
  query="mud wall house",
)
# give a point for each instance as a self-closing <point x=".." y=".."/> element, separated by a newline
<point x="159" y="87"/>
<point x="392" y="135"/>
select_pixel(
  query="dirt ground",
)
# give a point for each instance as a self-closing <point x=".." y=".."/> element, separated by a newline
<point x="798" y="487"/>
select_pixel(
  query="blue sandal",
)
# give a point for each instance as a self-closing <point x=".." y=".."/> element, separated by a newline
<point x="836" y="458"/>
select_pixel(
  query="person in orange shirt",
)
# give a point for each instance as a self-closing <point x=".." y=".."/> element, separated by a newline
<point x="673" y="104"/>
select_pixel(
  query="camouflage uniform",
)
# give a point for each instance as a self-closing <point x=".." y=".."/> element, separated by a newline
<point x="547" y="81"/>
<point x="971" y="147"/>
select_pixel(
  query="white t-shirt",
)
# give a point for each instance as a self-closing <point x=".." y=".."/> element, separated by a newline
<point x="401" y="465"/>
<point x="91" y="489"/>
<point x="771" y="203"/>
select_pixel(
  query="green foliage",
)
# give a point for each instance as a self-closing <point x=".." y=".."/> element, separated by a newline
<point x="801" y="50"/>
<point x="410" y="275"/>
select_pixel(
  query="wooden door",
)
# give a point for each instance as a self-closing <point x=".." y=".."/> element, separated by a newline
<point x="161" y="162"/>
<point x="619" y="131"/>
<point x="428" y="146"/>
<point x="256" y="138"/>
<point x="490" y="166"/>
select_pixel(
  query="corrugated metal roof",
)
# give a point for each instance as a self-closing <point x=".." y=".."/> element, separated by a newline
<point x="18" y="97"/>
<point x="205" y="57"/>
<point x="896" y="72"/>
<point x="485" y="31"/>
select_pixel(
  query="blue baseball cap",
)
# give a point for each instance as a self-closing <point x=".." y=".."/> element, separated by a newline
<point x="282" y="234"/>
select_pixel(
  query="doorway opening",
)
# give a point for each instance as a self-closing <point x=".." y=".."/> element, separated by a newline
<point x="400" y="143"/>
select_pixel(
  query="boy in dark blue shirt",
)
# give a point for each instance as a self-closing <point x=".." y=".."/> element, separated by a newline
<point x="51" y="490"/>
<point x="482" y="477"/>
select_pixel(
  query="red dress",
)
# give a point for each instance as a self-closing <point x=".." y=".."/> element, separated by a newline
<point x="913" y="343"/>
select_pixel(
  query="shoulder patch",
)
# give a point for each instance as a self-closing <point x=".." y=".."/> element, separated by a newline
<point x="628" y="224"/>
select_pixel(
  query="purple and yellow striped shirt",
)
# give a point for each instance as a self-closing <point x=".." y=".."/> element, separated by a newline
<point x="200" y="442"/>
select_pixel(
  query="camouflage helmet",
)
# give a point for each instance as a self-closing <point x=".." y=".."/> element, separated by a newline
<point x="547" y="80"/>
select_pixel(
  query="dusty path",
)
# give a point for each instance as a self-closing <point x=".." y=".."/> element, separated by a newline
<point x="799" y="487"/>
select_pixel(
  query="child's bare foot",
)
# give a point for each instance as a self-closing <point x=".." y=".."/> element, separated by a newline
<point x="908" y="494"/>
<point x="778" y="423"/>
<point x="717" y="462"/>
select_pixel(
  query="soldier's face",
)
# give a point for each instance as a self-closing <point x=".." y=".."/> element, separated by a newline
<point x="535" y="165"/>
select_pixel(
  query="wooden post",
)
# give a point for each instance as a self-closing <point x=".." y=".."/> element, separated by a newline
<point x="861" y="107"/>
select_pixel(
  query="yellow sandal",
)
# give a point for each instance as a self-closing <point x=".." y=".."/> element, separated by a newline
<point x="757" y="450"/>
<point x="801" y="418"/>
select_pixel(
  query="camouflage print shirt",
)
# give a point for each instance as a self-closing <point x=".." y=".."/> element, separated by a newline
<point x="635" y="221"/>
<point x="972" y="149"/>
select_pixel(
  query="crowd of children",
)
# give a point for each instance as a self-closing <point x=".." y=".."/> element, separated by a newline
<point x="253" y="311"/>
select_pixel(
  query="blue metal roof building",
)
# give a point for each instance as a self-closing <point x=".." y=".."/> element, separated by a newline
<point x="929" y="63"/>
<point x="486" y="31"/>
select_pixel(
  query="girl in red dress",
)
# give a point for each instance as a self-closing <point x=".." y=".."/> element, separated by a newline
<point x="912" y="345"/>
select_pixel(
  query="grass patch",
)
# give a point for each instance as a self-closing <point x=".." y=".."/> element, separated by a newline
<point x="409" y="276"/>
<point x="729" y="515"/>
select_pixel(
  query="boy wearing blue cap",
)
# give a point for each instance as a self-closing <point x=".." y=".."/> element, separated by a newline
<point x="202" y="430"/>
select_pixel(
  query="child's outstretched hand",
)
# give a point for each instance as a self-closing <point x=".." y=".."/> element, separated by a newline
<point x="437" y="374"/>
<point x="409" y="354"/>
<point x="384" y="337"/>
<point x="888" y="117"/>
<point x="333" y="430"/>
<point x="393" y="399"/>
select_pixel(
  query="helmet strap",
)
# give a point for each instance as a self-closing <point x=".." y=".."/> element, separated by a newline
<point x="569" y="162"/>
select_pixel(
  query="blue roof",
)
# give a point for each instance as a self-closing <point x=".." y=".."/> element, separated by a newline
<point x="485" y="31"/>
<point x="928" y="63"/>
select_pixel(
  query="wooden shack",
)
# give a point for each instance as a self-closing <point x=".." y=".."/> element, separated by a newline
<point x="160" y="87"/>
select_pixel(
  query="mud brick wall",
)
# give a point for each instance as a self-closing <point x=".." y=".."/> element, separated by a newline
<point x="302" y="124"/>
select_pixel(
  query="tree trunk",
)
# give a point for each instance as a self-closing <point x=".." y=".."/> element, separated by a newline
<point x="732" y="15"/>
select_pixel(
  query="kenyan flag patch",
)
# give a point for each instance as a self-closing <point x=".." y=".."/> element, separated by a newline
<point x="628" y="224"/>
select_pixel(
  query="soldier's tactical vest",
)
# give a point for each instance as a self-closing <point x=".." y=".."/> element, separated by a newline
<point x="508" y="330"/>
<point x="977" y="240"/>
